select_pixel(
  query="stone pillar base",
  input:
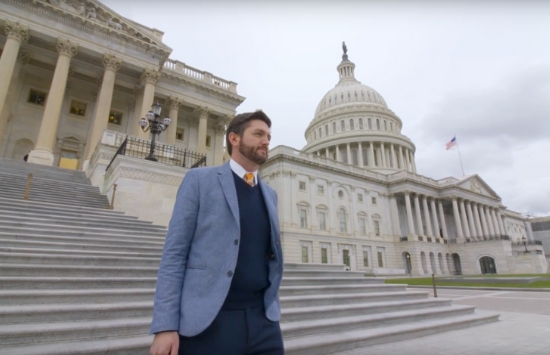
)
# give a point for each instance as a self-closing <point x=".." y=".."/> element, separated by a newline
<point x="41" y="156"/>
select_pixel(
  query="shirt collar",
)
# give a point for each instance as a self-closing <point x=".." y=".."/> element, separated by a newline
<point x="240" y="171"/>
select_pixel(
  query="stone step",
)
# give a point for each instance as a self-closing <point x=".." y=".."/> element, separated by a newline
<point x="330" y="273"/>
<point x="350" y="310"/>
<point x="320" y="326"/>
<point x="318" y="281"/>
<point x="329" y="300"/>
<point x="81" y="283"/>
<point x="69" y="259"/>
<point x="18" y="183"/>
<point x="137" y="345"/>
<point x="15" y="334"/>
<point x="67" y="230"/>
<point x="54" y="193"/>
<point x="34" y="235"/>
<point x="328" y="343"/>
<point x="46" y="206"/>
<point x="77" y="253"/>
<point x="335" y="290"/>
<point x="49" y="313"/>
<point x="38" y="270"/>
<point x="20" y="214"/>
<point x="314" y="267"/>
<point x="35" y="297"/>
<point x="143" y="247"/>
<point x="59" y="201"/>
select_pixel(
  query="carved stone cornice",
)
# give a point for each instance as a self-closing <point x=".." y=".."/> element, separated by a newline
<point x="66" y="47"/>
<point x="17" y="31"/>
<point x="150" y="76"/>
<point x="202" y="111"/>
<point x="173" y="102"/>
<point x="111" y="62"/>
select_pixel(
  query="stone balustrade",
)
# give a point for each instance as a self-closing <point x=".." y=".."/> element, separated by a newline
<point x="182" y="68"/>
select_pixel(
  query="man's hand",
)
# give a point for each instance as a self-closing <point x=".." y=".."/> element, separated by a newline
<point x="165" y="343"/>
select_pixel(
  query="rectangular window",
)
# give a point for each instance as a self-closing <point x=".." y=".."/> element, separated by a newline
<point x="321" y="189"/>
<point x="303" y="218"/>
<point x="78" y="108"/>
<point x="365" y="258"/>
<point x="324" y="256"/>
<point x="115" y="117"/>
<point x="360" y="198"/>
<point x="180" y="134"/>
<point x="208" y="141"/>
<point x="374" y="200"/>
<point x="377" y="228"/>
<point x="305" y="254"/>
<point x="345" y="258"/>
<point x="322" y="224"/>
<point x="302" y="185"/>
<point x="362" y="226"/>
<point x="380" y="259"/>
<point x="37" y="97"/>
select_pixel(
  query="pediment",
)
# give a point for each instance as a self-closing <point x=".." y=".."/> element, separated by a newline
<point x="476" y="185"/>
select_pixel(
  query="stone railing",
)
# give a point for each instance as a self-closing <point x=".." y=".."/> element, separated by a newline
<point x="200" y="75"/>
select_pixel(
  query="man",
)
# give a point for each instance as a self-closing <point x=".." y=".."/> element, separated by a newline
<point x="220" y="272"/>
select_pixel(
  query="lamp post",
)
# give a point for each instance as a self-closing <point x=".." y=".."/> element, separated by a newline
<point x="525" y="244"/>
<point x="409" y="264"/>
<point x="153" y="124"/>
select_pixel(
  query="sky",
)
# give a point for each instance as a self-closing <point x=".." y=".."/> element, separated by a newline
<point x="479" y="70"/>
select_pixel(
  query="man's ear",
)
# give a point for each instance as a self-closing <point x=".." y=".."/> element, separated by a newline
<point x="234" y="138"/>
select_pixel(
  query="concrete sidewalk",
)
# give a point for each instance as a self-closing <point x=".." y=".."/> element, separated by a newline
<point x="523" y="329"/>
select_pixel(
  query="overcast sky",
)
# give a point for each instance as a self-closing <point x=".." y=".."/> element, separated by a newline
<point x="477" y="69"/>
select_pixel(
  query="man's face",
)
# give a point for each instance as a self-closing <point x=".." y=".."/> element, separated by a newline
<point x="254" y="143"/>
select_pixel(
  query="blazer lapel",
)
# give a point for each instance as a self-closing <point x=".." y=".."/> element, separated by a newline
<point x="225" y="175"/>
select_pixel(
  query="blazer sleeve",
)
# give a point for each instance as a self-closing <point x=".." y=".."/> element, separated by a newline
<point x="166" y="310"/>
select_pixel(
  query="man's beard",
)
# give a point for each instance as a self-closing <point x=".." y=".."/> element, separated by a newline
<point x="251" y="154"/>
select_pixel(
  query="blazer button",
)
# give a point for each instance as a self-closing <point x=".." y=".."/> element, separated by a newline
<point x="230" y="273"/>
<point x="236" y="242"/>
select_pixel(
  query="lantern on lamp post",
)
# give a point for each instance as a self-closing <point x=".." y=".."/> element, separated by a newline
<point x="152" y="123"/>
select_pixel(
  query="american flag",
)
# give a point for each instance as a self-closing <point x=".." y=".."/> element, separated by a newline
<point x="450" y="144"/>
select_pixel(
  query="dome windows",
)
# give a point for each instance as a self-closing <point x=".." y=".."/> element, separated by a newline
<point x="320" y="132"/>
<point x="370" y="123"/>
<point x="385" y="125"/>
<point x="333" y="127"/>
<point x="360" y="123"/>
<point x="351" y="125"/>
<point x="342" y="125"/>
<point x="378" y="124"/>
<point x="326" y="130"/>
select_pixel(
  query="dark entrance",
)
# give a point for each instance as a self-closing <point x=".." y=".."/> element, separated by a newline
<point x="487" y="265"/>
<point x="407" y="259"/>
<point x="346" y="258"/>
<point x="456" y="262"/>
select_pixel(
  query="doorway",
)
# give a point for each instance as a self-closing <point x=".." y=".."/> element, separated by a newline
<point x="487" y="265"/>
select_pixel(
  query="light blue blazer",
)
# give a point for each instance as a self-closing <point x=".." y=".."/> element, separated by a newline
<point x="200" y="254"/>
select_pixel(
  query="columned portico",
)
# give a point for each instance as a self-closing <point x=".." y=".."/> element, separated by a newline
<point x="442" y="219"/>
<point x="473" y="232"/>
<point x="434" y="218"/>
<point x="495" y="224"/>
<point x="149" y="79"/>
<point x="484" y="224"/>
<point x="427" y="216"/>
<point x="458" y="223"/>
<point x="477" y="220"/>
<point x="418" y="215"/>
<point x="43" y="151"/>
<point x="409" y="214"/>
<point x="16" y="35"/>
<point x="203" y="126"/>
<point x="174" y="104"/>
<point x="489" y="221"/>
<point x="100" y="120"/>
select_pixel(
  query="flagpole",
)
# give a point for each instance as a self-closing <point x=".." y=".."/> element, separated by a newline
<point x="459" y="157"/>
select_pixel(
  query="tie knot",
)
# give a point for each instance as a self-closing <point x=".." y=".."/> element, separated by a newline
<point x="249" y="178"/>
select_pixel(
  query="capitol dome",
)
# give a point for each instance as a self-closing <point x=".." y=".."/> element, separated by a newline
<point x="353" y="124"/>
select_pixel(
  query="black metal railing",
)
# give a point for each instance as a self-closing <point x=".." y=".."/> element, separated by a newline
<point x="530" y="242"/>
<point x="487" y="238"/>
<point x="166" y="154"/>
<point x="403" y="239"/>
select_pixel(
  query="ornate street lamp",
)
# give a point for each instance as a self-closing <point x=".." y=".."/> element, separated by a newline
<point x="525" y="244"/>
<point x="156" y="127"/>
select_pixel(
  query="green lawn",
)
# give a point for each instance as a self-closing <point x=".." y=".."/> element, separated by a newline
<point x="428" y="282"/>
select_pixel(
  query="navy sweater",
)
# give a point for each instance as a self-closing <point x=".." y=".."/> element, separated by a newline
<point x="250" y="278"/>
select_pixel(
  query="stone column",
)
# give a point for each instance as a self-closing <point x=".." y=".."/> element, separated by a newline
<point x="371" y="156"/>
<point x="149" y="79"/>
<point x="393" y="157"/>
<point x="103" y="105"/>
<point x="203" y="127"/>
<point x="495" y="222"/>
<point x="16" y="35"/>
<point x="459" y="233"/>
<point x="409" y="213"/>
<point x="326" y="153"/>
<point x="174" y="104"/>
<point x="501" y="224"/>
<point x="348" y="149"/>
<point x="434" y="217"/>
<point x="401" y="160"/>
<point x="360" y="155"/>
<point x="413" y="162"/>
<point x="337" y="153"/>
<point x="473" y="231"/>
<point x="418" y="215"/>
<point x="427" y="216"/>
<point x="484" y="227"/>
<point x="442" y="220"/>
<point x="409" y="164"/>
<point x="383" y="153"/>
<point x="465" y="227"/>
<point x="134" y="122"/>
<point x="489" y="222"/>
<point x="43" y="151"/>
<point x="395" y="216"/>
<point x="477" y="220"/>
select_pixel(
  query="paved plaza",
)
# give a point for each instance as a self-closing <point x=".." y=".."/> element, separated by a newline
<point x="523" y="329"/>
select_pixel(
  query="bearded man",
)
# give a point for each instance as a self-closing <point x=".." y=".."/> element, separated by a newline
<point x="222" y="264"/>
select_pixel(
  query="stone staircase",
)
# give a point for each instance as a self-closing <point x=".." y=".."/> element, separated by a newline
<point x="76" y="278"/>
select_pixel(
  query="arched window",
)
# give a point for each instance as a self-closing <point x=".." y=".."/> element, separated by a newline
<point x="385" y="125"/>
<point x="351" y="126"/>
<point x="391" y="126"/>
<point x="314" y="134"/>
<point x="377" y="124"/>
<point x="320" y="132"/>
<point x="326" y="130"/>
<point x="333" y="127"/>
<point x="342" y="220"/>
<point x="360" y="123"/>
<point x="370" y="123"/>
<point x="354" y="159"/>
<point x="342" y="125"/>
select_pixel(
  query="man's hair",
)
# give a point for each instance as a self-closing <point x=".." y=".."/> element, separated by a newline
<point x="241" y="122"/>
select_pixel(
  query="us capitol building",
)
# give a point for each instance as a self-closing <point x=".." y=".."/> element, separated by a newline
<point x="77" y="78"/>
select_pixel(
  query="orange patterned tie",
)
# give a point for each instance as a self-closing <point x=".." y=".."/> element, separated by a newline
<point x="249" y="178"/>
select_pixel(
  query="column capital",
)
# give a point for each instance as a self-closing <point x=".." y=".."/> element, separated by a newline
<point x="202" y="111"/>
<point x="17" y="31"/>
<point x="173" y="102"/>
<point x="406" y="192"/>
<point x="66" y="47"/>
<point x="111" y="62"/>
<point x="150" y="76"/>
